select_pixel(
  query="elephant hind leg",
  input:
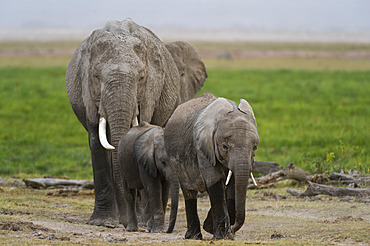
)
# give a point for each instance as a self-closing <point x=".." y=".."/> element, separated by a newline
<point x="131" y="209"/>
<point x="192" y="219"/>
<point x="156" y="206"/>
<point x="145" y="213"/>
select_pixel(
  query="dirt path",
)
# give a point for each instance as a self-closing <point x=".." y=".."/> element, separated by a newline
<point x="42" y="217"/>
<point x="235" y="54"/>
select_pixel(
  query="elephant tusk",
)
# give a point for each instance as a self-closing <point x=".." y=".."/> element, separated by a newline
<point x="228" y="177"/>
<point x="103" y="134"/>
<point x="135" y="122"/>
<point x="254" y="181"/>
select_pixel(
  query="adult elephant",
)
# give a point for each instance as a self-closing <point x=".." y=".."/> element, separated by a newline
<point x="119" y="76"/>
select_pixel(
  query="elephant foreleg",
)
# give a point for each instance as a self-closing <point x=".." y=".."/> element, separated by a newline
<point x="230" y="203"/>
<point x="105" y="210"/>
<point x="208" y="222"/>
<point x="230" y="200"/>
<point x="220" y="216"/>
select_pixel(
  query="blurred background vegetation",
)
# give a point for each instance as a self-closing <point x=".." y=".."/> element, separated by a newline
<point x="311" y="102"/>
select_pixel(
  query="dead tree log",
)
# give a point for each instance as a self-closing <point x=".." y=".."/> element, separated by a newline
<point x="349" y="179"/>
<point x="318" y="189"/>
<point x="265" y="167"/>
<point x="289" y="172"/>
<point x="44" y="183"/>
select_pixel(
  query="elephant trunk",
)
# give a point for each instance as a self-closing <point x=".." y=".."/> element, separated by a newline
<point x="174" y="200"/>
<point x="118" y="104"/>
<point x="241" y="172"/>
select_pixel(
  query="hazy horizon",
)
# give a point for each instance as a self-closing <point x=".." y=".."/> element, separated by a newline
<point x="251" y="17"/>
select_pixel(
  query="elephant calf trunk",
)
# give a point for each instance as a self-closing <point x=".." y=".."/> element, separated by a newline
<point x="242" y="173"/>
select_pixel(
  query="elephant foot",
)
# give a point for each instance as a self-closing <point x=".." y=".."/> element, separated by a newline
<point x="132" y="227"/>
<point x="157" y="230"/>
<point x="143" y="225"/>
<point x="107" y="222"/>
<point x="193" y="235"/>
<point x="223" y="235"/>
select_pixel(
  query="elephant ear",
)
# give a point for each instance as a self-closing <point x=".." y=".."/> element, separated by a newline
<point x="144" y="151"/>
<point x="78" y="77"/>
<point x="246" y="108"/>
<point x="205" y="127"/>
<point x="191" y="69"/>
<point x="158" y="86"/>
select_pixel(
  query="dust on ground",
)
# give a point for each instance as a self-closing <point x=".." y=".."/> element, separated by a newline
<point x="29" y="216"/>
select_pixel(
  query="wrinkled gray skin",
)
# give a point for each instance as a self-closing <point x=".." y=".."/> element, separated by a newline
<point x="145" y="165"/>
<point x="216" y="136"/>
<point x="121" y="72"/>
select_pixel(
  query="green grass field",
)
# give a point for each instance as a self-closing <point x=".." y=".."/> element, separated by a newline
<point x="312" y="111"/>
<point x="39" y="132"/>
<point x="316" y="119"/>
<point x="304" y="116"/>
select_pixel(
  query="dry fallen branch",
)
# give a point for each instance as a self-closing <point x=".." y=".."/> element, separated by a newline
<point x="296" y="173"/>
<point x="349" y="179"/>
<point x="289" y="172"/>
<point x="318" y="189"/>
<point x="54" y="182"/>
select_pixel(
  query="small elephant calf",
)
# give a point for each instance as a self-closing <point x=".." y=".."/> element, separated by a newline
<point x="217" y="138"/>
<point x="144" y="166"/>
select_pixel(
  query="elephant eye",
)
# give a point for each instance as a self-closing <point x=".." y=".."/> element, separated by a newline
<point x="224" y="146"/>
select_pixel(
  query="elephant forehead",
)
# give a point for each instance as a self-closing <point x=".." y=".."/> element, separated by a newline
<point x="233" y="121"/>
<point x="237" y="128"/>
<point x="122" y="67"/>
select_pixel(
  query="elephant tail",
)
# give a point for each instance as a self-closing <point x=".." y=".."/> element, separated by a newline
<point x="174" y="201"/>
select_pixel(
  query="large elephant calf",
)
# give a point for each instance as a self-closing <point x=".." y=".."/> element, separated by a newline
<point x="144" y="166"/>
<point x="207" y="138"/>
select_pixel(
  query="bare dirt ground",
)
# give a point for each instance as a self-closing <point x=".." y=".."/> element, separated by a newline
<point x="220" y="54"/>
<point x="231" y="55"/>
<point x="57" y="216"/>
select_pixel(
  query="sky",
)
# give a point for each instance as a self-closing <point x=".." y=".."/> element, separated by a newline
<point x="262" y="15"/>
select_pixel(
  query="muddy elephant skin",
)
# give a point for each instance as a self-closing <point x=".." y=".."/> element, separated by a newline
<point x="119" y="76"/>
<point x="144" y="166"/>
<point x="206" y="138"/>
